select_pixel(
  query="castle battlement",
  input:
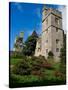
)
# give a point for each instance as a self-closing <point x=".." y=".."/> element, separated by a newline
<point x="52" y="33"/>
<point x="47" y="11"/>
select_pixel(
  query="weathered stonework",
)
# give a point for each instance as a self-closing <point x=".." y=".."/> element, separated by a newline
<point x="51" y="38"/>
<point x="18" y="45"/>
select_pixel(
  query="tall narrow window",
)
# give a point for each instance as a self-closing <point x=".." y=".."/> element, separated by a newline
<point x="57" y="21"/>
<point x="46" y="41"/>
<point x="57" y="49"/>
<point x="47" y="30"/>
<point x="45" y="12"/>
<point x="46" y="50"/>
<point x="56" y="29"/>
<point x="46" y="21"/>
<point x="38" y="49"/>
<point x="57" y="41"/>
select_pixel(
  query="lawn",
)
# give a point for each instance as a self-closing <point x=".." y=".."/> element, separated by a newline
<point x="48" y="76"/>
<point x="13" y="61"/>
<point x="32" y="80"/>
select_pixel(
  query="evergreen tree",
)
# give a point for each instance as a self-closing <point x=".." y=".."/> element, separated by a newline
<point x="50" y="54"/>
<point x="63" y="51"/>
<point x="30" y="44"/>
<point x="63" y="56"/>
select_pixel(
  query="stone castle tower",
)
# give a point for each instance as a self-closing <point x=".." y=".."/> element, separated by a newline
<point x="51" y="38"/>
<point x="18" y="45"/>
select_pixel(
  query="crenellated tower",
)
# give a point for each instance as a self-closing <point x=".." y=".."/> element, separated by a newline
<point x="52" y="33"/>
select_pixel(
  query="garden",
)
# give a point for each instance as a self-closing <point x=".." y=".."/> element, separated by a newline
<point x="35" y="71"/>
<point x="27" y="70"/>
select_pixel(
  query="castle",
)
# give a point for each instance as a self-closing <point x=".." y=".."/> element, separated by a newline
<point x="18" y="45"/>
<point x="51" y="38"/>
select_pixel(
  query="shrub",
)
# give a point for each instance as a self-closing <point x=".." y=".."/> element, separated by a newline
<point x="59" y="74"/>
<point x="22" y="68"/>
<point x="30" y="44"/>
<point x="50" y="54"/>
<point x="32" y="80"/>
<point x="28" y="64"/>
<point x="47" y="66"/>
<point x="17" y="55"/>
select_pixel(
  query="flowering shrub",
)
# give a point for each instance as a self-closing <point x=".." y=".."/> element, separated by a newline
<point x="46" y="65"/>
<point x="58" y="74"/>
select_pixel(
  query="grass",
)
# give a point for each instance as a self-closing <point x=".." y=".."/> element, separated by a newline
<point x="56" y="65"/>
<point x="13" y="61"/>
<point x="32" y="80"/>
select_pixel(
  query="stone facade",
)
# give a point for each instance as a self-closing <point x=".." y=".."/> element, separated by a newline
<point x="51" y="38"/>
<point x="18" y="45"/>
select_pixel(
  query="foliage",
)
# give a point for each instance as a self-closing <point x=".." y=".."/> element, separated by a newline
<point x="22" y="67"/>
<point x="29" y="65"/>
<point x="30" y="44"/>
<point x="35" y="71"/>
<point x="17" y="55"/>
<point x="32" y="80"/>
<point x="63" y="56"/>
<point x="58" y="74"/>
<point x="50" y="54"/>
<point x="63" y="51"/>
<point x="13" y="61"/>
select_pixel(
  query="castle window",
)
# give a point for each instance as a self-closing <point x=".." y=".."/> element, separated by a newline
<point x="57" y="49"/>
<point x="56" y="29"/>
<point x="47" y="30"/>
<point x="46" y="50"/>
<point x="57" y="21"/>
<point x="46" y="41"/>
<point x="46" y="21"/>
<point x="39" y="49"/>
<point x="45" y="13"/>
<point x="57" y="41"/>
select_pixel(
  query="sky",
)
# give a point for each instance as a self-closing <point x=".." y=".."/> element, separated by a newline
<point x="26" y="17"/>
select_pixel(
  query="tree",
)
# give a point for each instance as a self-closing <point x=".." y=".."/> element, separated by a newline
<point x="63" y="56"/>
<point x="63" y="51"/>
<point x="50" y="54"/>
<point x="30" y="44"/>
<point x="22" y="67"/>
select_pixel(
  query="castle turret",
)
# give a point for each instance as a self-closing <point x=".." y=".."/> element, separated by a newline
<point x="52" y="32"/>
<point x="18" y="45"/>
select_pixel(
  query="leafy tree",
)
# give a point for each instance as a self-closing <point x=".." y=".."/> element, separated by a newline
<point x="30" y="44"/>
<point x="22" y="67"/>
<point x="63" y="56"/>
<point x="50" y="54"/>
<point x="63" y="51"/>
